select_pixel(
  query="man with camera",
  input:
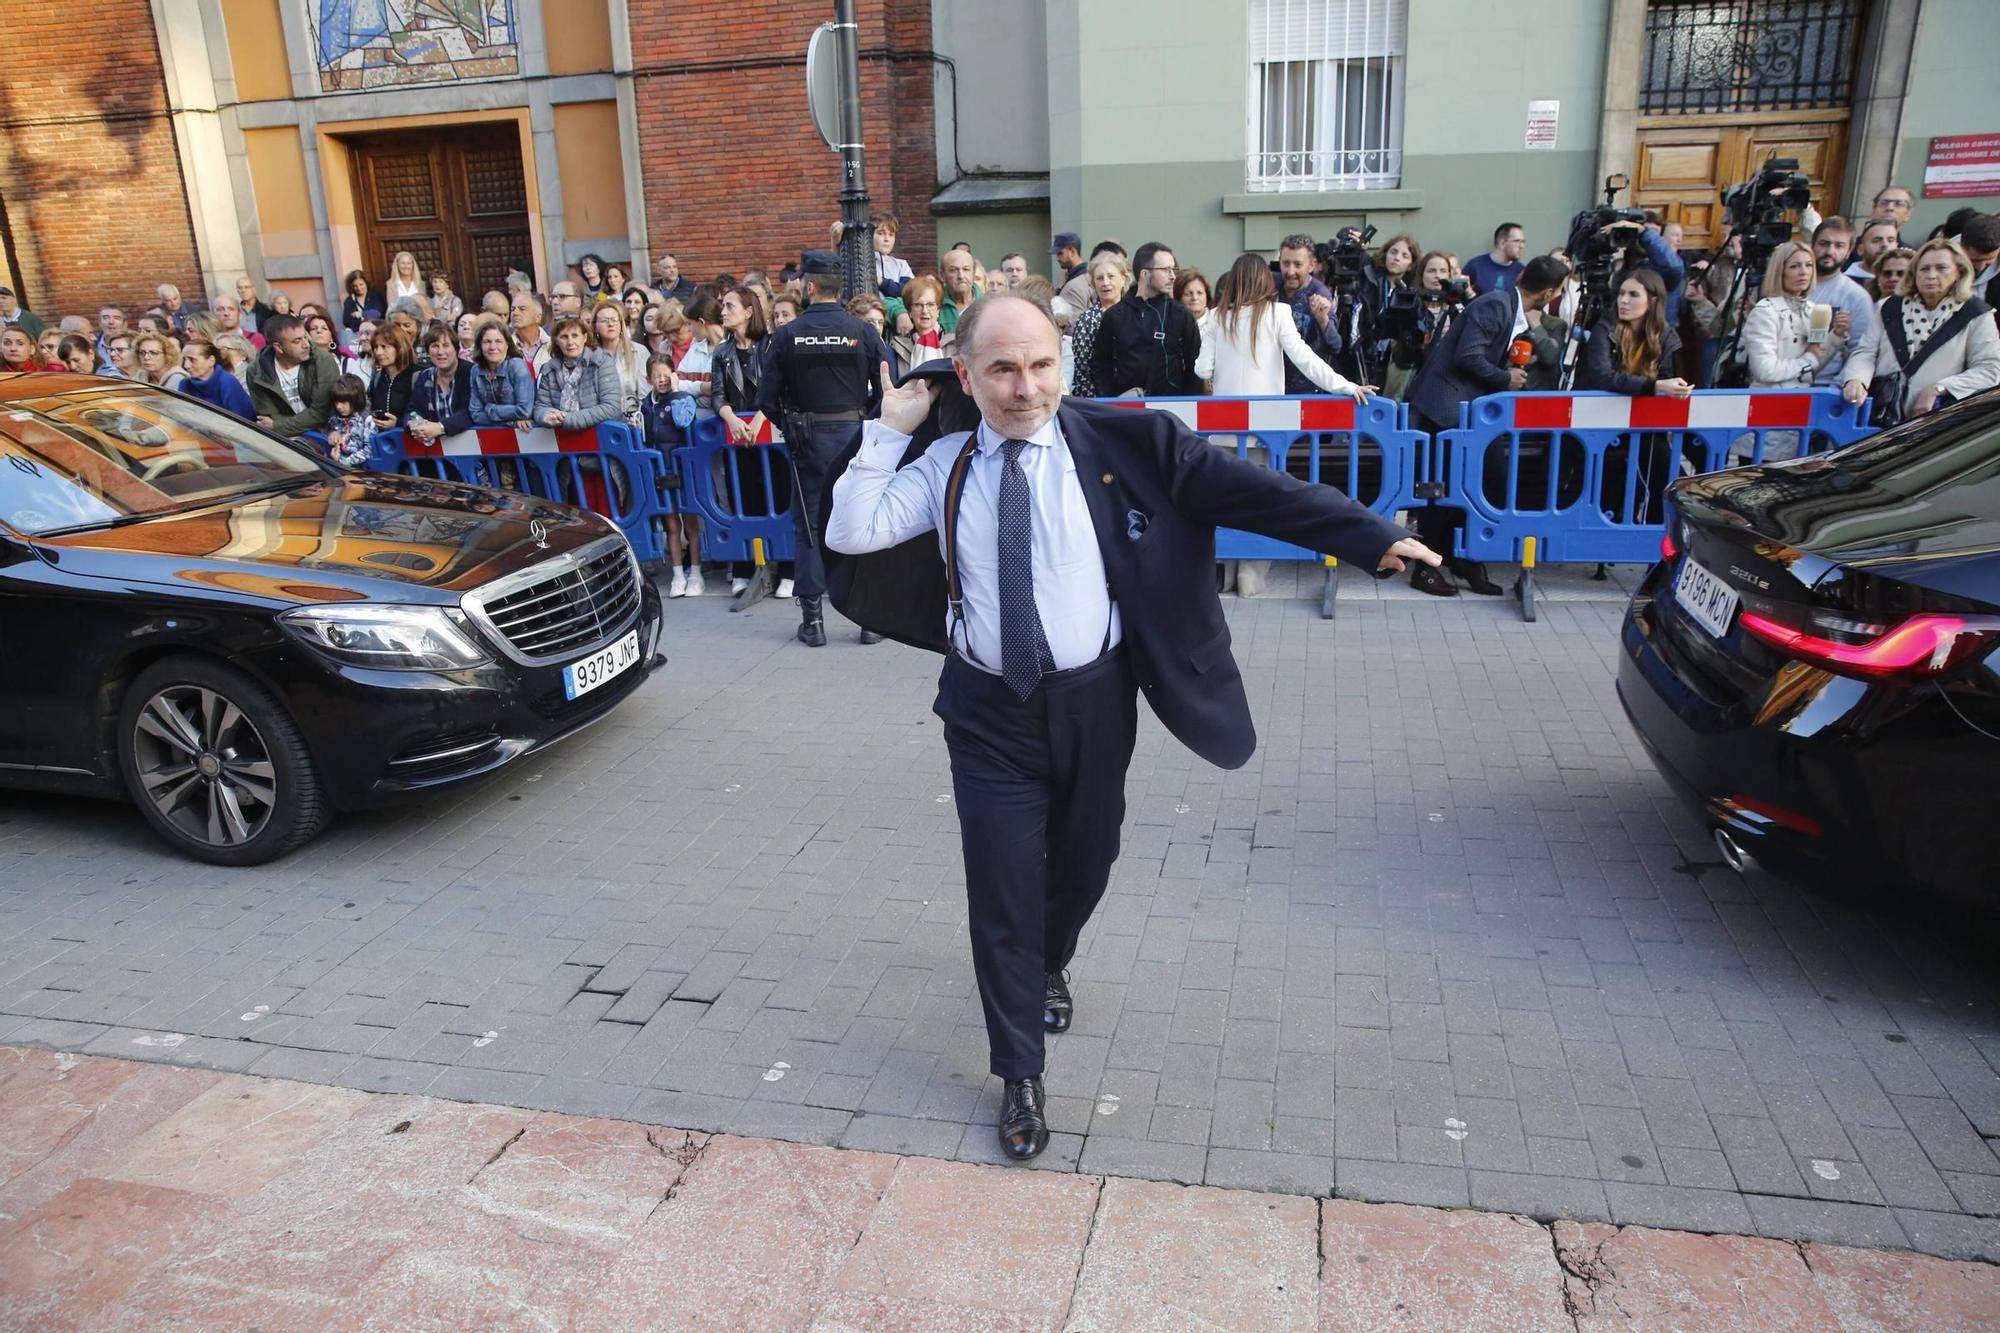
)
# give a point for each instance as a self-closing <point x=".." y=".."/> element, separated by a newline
<point x="1475" y="357"/>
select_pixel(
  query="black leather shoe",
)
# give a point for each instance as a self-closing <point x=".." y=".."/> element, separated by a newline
<point x="1057" y="1008"/>
<point x="1433" y="581"/>
<point x="870" y="636"/>
<point x="1024" y="1125"/>
<point x="1473" y="574"/>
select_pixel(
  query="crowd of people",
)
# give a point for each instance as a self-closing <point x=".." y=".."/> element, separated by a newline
<point x="1868" y="309"/>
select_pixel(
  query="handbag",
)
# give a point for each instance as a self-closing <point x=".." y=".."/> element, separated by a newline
<point x="1886" y="392"/>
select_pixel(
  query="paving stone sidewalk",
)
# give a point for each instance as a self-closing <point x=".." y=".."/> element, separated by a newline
<point x="142" y="1196"/>
<point x="1447" y="940"/>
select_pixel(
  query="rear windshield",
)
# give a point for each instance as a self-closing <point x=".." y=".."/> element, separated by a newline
<point x="1930" y="488"/>
<point x="98" y="456"/>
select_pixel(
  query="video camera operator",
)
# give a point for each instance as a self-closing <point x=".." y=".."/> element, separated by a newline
<point x="1757" y="219"/>
<point x="1415" y="317"/>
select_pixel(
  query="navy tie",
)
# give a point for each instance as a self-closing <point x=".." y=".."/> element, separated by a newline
<point x="1024" y="649"/>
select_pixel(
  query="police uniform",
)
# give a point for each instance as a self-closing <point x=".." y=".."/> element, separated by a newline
<point x="820" y="382"/>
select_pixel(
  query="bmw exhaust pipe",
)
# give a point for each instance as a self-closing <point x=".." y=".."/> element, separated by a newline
<point x="1733" y="854"/>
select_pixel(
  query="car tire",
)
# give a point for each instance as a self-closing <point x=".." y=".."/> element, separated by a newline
<point x="216" y="764"/>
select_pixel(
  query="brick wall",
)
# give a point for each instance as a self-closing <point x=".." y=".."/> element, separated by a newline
<point x="736" y="177"/>
<point x="88" y="167"/>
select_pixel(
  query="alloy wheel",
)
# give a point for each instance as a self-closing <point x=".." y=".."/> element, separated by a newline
<point x="204" y="766"/>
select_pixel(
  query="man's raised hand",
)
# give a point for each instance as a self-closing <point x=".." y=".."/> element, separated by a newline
<point x="904" y="409"/>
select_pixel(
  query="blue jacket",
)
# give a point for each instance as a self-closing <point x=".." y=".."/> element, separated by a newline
<point x="222" y="389"/>
<point x="667" y="419"/>
<point x="503" y="397"/>
<point x="1325" y="343"/>
<point x="453" y="411"/>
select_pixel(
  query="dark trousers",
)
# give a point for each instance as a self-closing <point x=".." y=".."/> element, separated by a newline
<point x="1040" y="788"/>
<point x="811" y="461"/>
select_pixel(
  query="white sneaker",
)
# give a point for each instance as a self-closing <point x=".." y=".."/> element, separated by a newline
<point x="678" y="587"/>
<point x="784" y="588"/>
<point x="695" y="587"/>
<point x="737" y="585"/>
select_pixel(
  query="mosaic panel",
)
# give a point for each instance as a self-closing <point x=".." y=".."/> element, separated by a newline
<point x="387" y="43"/>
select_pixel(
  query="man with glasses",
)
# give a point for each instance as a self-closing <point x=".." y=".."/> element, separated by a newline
<point x="568" y="302"/>
<point x="1894" y="202"/>
<point x="1148" y="342"/>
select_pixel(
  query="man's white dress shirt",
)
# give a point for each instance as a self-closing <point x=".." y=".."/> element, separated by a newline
<point x="876" y="506"/>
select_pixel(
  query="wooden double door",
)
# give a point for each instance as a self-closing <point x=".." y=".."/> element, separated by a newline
<point x="456" y="198"/>
<point x="1684" y="164"/>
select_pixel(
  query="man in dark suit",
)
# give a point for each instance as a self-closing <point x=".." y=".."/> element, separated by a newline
<point x="1079" y="550"/>
<point x="1476" y="357"/>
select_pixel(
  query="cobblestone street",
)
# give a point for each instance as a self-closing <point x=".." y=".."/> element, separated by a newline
<point x="1446" y="940"/>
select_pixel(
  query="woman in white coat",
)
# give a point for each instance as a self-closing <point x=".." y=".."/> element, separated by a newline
<point x="1249" y="337"/>
<point x="1245" y="349"/>
<point x="1935" y="340"/>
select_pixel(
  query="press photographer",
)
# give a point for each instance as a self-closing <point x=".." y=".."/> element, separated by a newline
<point x="1414" y="318"/>
<point x="1607" y="244"/>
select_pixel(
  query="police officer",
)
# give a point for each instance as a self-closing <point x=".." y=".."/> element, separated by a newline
<point x="821" y="379"/>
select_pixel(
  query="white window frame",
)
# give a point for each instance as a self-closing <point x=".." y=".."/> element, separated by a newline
<point x="1340" y="40"/>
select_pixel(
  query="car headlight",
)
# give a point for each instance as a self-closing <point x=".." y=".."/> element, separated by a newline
<point x="396" y="638"/>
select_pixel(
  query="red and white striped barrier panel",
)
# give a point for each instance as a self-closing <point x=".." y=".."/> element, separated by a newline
<point x="1248" y="414"/>
<point x="1749" y="411"/>
<point x="500" y="441"/>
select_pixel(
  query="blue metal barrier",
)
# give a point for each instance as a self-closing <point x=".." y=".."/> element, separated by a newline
<point x="606" y="469"/>
<point x="742" y="493"/>
<point x="1580" y="477"/>
<point x="1365" y="449"/>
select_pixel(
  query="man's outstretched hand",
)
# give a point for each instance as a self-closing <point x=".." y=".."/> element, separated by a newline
<point x="1396" y="557"/>
<point x="904" y="409"/>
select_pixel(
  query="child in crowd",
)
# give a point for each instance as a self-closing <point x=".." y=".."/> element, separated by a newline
<point x="350" y="429"/>
<point x="895" y="272"/>
<point x="668" y="411"/>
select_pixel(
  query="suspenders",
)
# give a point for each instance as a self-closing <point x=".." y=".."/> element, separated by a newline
<point x="954" y="493"/>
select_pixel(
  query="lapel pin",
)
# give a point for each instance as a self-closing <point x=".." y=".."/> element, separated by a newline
<point x="1107" y="479"/>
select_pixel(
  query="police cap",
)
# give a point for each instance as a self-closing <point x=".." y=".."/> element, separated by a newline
<point x="819" y="261"/>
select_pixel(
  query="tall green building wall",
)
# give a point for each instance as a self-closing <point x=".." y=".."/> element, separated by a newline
<point x="1148" y="113"/>
<point x="1952" y="91"/>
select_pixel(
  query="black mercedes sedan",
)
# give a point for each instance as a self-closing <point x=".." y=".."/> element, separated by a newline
<point x="244" y="639"/>
<point x="1812" y="661"/>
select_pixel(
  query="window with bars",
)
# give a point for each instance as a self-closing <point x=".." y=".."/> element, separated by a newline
<point x="1749" y="55"/>
<point x="1326" y="94"/>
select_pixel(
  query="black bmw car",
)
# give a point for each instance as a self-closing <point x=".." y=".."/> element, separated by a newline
<point x="245" y="640"/>
<point x="1812" y="661"/>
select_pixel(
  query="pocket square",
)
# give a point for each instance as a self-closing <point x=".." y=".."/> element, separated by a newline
<point x="1135" y="524"/>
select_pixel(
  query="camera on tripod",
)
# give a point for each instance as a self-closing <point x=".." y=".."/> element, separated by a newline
<point x="1344" y="261"/>
<point x="1759" y="209"/>
<point x="1599" y="238"/>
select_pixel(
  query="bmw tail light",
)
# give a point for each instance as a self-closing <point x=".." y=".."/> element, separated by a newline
<point x="1920" y="647"/>
<point x="1669" y="549"/>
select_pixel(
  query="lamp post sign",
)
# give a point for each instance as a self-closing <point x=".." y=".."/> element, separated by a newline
<point x="833" y="90"/>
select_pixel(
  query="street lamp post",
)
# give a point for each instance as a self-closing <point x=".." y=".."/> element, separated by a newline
<point x="857" y="250"/>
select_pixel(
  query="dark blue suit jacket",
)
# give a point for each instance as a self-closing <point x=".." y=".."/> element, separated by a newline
<point x="1470" y="360"/>
<point x="1156" y="493"/>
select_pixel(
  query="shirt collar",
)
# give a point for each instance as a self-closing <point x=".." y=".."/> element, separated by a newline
<point x="990" y="440"/>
